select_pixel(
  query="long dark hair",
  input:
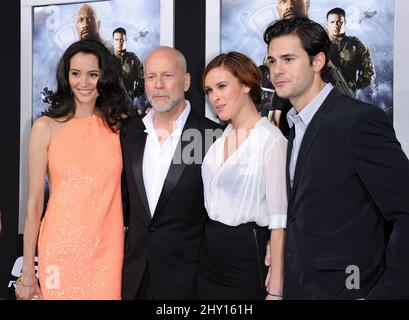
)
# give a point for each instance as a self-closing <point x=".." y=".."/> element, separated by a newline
<point x="113" y="103"/>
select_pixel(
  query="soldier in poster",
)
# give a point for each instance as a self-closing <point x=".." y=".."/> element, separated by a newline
<point x="349" y="54"/>
<point x="131" y="69"/>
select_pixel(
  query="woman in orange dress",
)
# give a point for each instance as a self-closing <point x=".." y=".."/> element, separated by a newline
<point x="75" y="143"/>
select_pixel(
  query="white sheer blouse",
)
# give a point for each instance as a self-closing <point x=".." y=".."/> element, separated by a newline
<point x="250" y="186"/>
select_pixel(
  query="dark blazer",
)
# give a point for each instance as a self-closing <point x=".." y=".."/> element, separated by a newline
<point x="169" y="242"/>
<point x="351" y="177"/>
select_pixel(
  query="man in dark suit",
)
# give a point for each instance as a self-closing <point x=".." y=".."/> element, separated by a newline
<point x="162" y="165"/>
<point x="347" y="177"/>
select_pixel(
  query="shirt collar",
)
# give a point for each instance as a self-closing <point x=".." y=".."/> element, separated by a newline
<point x="308" y="112"/>
<point x="180" y="121"/>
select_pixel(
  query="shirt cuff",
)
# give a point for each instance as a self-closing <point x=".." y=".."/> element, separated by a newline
<point x="278" y="221"/>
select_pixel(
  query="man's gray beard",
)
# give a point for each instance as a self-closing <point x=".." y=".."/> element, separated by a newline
<point x="169" y="107"/>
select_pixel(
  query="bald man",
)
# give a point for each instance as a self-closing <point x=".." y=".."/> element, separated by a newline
<point x="162" y="156"/>
<point x="88" y="25"/>
<point x="288" y="9"/>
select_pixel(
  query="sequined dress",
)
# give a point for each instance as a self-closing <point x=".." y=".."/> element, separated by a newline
<point x="80" y="246"/>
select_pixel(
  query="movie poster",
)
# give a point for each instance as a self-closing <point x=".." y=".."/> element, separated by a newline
<point x="368" y="24"/>
<point x="55" y="27"/>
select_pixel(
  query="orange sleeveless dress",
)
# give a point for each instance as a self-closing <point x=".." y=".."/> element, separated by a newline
<point x="81" y="239"/>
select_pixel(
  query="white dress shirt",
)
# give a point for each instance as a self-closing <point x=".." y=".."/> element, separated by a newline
<point x="250" y="186"/>
<point x="301" y="121"/>
<point x="157" y="158"/>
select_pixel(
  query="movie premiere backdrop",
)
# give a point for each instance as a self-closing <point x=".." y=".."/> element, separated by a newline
<point x="54" y="30"/>
<point x="50" y="27"/>
<point x="242" y="24"/>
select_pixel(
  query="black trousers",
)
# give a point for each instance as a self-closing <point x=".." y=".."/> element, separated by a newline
<point x="231" y="263"/>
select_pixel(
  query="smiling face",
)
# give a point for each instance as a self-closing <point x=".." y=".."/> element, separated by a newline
<point x="226" y="93"/>
<point x="292" y="72"/>
<point x="166" y="79"/>
<point x="83" y="77"/>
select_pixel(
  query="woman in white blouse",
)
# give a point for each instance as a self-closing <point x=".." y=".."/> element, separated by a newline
<point x="244" y="188"/>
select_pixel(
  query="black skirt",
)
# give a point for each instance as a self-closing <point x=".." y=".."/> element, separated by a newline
<point x="231" y="263"/>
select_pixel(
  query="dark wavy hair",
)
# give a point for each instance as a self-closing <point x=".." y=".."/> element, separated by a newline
<point x="243" y="68"/>
<point x="113" y="103"/>
<point x="313" y="37"/>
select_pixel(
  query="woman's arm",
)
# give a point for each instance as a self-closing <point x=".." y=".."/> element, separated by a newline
<point x="274" y="282"/>
<point x="27" y="285"/>
<point x="276" y="196"/>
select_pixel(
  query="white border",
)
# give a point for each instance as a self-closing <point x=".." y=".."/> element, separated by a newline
<point x="212" y="45"/>
<point x="401" y="74"/>
<point x="166" y="38"/>
<point x="167" y="26"/>
<point x="401" y="65"/>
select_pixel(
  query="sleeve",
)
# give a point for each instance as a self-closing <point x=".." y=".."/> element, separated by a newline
<point x="140" y="71"/>
<point x="125" y="199"/>
<point x="367" y="70"/>
<point x="276" y="189"/>
<point x="124" y="185"/>
<point x="384" y="171"/>
<point x="138" y="76"/>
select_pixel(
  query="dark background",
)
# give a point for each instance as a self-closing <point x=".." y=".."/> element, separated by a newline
<point x="189" y="39"/>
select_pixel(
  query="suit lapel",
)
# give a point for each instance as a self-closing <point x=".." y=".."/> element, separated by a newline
<point x="310" y="134"/>
<point x="177" y="166"/>
<point x="138" y="143"/>
<point x="289" y="150"/>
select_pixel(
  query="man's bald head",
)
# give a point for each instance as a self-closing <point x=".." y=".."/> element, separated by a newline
<point x="173" y="54"/>
<point x="288" y="9"/>
<point x="87" y="23"/>
<point x="166" y="79"/>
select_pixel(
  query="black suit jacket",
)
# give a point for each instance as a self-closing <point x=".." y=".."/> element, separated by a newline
<point x="351" y="177"/>
<point x="169" y="242"/>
